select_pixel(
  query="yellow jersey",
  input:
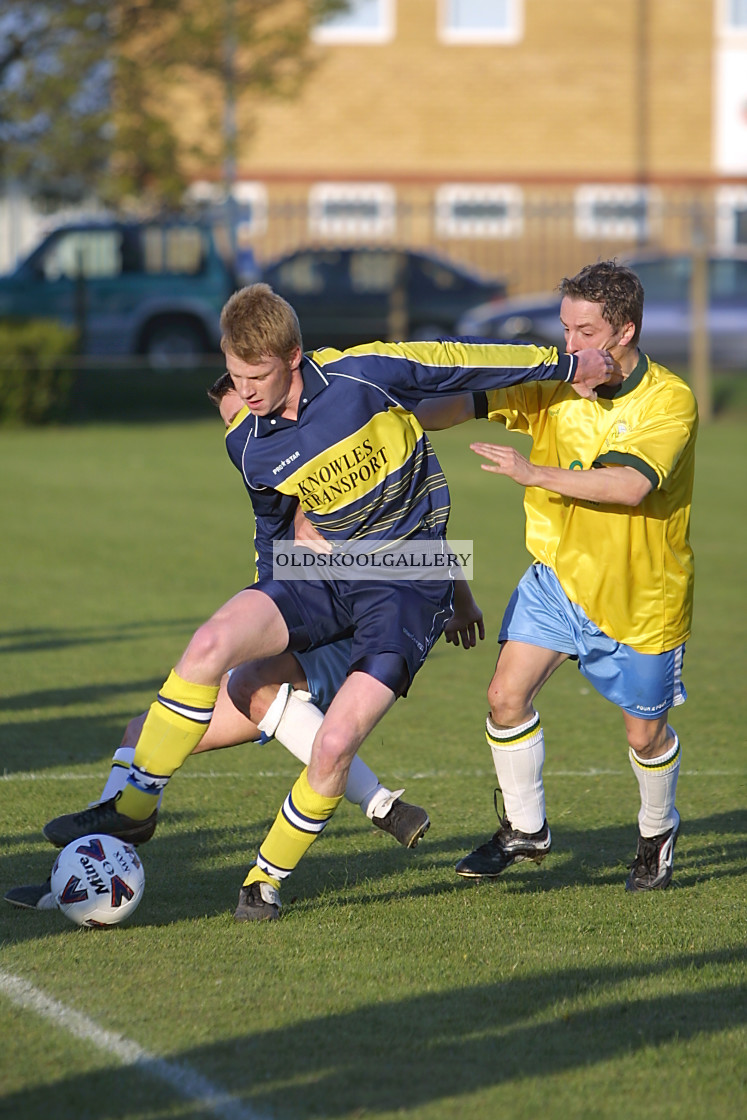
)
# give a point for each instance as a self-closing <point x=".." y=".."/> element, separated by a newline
<point x="629" y="568"/>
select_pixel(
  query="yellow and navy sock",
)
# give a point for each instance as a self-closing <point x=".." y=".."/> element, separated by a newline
<point x="176" y="722"/>
<point x="302" y="818"/>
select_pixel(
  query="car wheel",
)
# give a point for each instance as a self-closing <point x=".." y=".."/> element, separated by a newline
<point x="172" y="342"/>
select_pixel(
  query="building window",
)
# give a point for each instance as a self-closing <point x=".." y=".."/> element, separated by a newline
<point x="481" y="21"/>
<point x="464" y="210"/>
<point x="352" y="211"/>
<point x="734" y="15"/>
<point x="614" y="212"/>
<point x="364" y="21"/>
<point x="251" y="209"/>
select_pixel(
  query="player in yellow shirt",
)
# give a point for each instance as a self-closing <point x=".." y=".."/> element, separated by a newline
<point x="608" y="493"/>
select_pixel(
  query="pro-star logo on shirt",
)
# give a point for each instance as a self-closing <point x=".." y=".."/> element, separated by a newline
<point x="285" y="462"/>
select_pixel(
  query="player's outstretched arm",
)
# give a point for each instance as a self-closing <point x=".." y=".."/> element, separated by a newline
<point x="437" y="413"/>
<point x="612" y="485"/>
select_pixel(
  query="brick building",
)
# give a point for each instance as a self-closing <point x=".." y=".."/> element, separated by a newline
<point x="524" y="136"/>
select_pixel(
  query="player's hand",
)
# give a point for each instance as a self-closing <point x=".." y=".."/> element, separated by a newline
<point x="466" y="624"/>
<point x="506" y="460"/>
<point x="594" y="368"/>
<point x="460" y="629"/>
<point x="306" y="536"/>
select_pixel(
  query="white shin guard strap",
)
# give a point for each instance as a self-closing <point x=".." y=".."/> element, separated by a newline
<point x="381" y="802"/>
<point x="274" y="713"/>
<point x="296" y="725"/>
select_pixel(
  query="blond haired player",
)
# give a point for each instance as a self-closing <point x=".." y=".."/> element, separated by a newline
<point x="282" y="697"/>
<point x="334" y="432"/>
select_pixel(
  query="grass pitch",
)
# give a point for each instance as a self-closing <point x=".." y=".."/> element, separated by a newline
<point x="390" y="987"/>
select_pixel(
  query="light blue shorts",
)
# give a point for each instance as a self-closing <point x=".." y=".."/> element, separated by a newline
<point x="325" y="670"/>
<point x="539" y="613"/>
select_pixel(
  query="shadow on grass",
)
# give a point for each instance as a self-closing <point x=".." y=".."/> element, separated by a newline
<point x="46" y="639"/>
<point x="32" y="746"/>
<point x="403" y="1054"/>
<point x="82" y="694"/>
<point x="198" y="873"/>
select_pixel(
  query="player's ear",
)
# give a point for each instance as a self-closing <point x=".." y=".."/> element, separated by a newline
<point x="628" y="334"/>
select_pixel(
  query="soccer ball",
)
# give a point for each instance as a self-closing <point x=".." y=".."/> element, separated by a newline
<point x="98" y="880"/>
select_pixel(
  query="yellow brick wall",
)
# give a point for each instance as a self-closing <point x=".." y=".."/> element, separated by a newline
<point x="562" y="102"/>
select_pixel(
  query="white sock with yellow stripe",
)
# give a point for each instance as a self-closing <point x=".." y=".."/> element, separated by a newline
<point x="518" y="757"/>
<point x="657" y="782"/>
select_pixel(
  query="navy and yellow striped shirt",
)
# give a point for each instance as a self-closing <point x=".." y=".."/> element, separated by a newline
<point x="356" y="458"/>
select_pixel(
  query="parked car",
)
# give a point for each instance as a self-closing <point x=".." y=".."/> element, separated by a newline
<point x="152" y="288"/>
<point x="667" y="322"/>
<point x="343" y="296"/>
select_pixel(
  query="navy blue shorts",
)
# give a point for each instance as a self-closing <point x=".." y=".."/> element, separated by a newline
<point x="388" y="623"/>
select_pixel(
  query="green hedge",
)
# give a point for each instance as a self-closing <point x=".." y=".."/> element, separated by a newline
<point x="35" y="373"/>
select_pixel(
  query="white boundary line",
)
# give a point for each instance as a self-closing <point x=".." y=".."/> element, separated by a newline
<point x="412" y="775"/>
<point x="185" y="1081"/>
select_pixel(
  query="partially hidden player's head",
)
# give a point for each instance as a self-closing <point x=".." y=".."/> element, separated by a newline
<point x="225" y="398"/>
<point x="602" y="308"/>
<point x="261" y="339"/>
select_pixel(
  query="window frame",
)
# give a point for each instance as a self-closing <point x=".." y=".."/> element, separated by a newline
<point x="383" y="33"/>
<point x="450" y="225"/>
<point x="588" y="226"/>
<point x="352" y="229"/>
<point x="247" y="192"/>
<point x="512" y="33"/>
<point x="725" y="25"/>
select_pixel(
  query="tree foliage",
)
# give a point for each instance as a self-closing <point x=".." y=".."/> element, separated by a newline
<point x="95" y="95"/>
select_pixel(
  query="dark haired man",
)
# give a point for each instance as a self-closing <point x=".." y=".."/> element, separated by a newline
<point x="607" y="500"/>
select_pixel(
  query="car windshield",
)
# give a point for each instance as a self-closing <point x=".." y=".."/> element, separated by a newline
<point x="664" y="279"/>
<point x="728" y="279"/>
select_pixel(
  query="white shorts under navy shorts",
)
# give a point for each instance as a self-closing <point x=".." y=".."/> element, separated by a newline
<point x="325" y="669"/>
<point x="539" y="613"/>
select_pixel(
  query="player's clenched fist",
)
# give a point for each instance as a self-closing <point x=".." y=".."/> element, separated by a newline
<point x="594" y="368"/>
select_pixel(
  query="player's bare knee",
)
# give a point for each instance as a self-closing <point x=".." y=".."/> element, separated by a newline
<point x="207" y="653"/>
<point x="249" y="692"/>
<point x="648" y="740"/>
<point x="258" y="702"/>
<point x="333" y="750"/>
<point x="509" y="707"/>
